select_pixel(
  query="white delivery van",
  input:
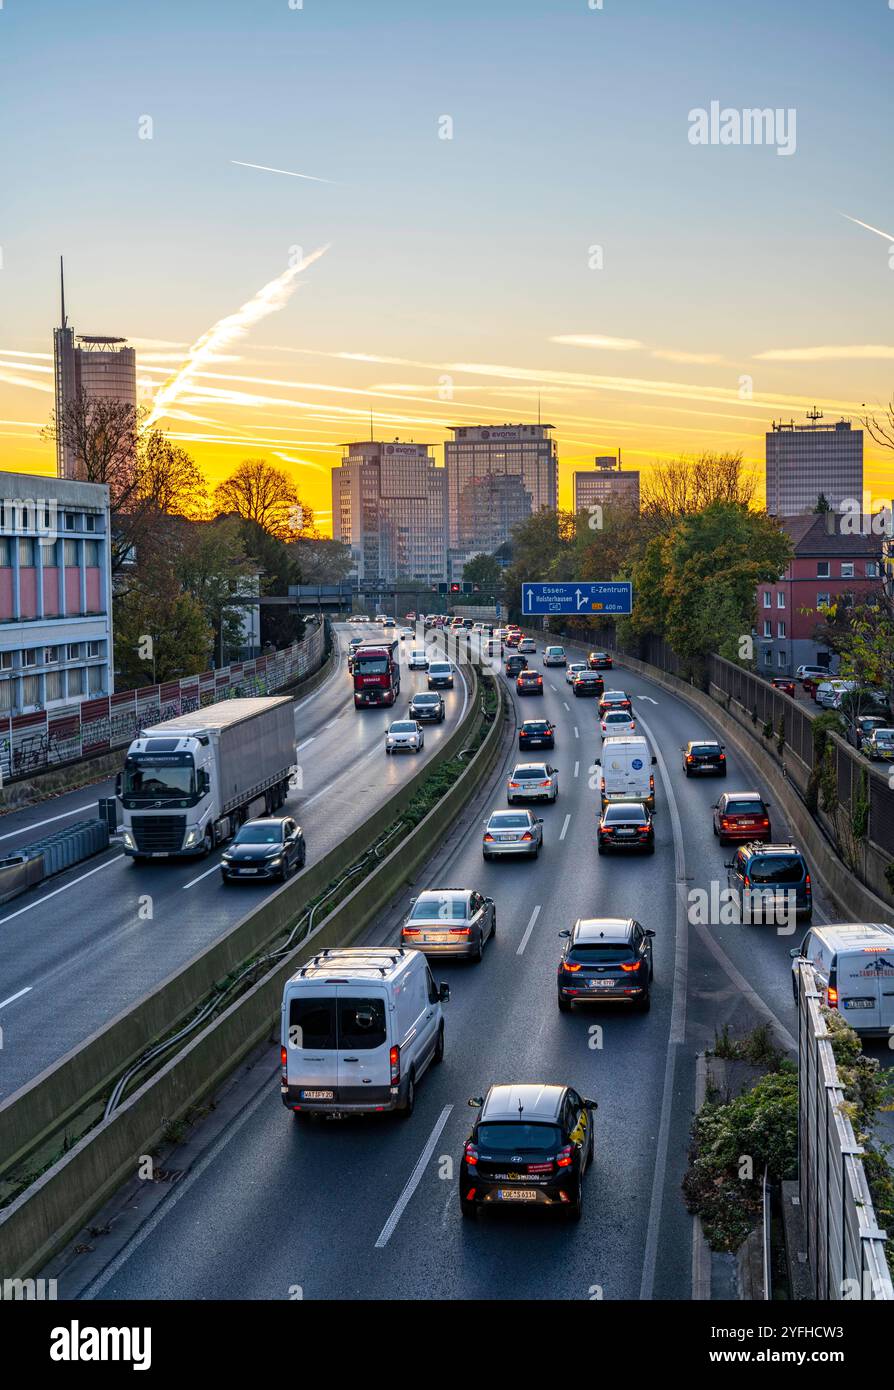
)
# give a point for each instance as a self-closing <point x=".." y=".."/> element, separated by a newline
<point x="854" y="967"/>
<point x="360" y="1025"/>
<point x="626" y="764"/>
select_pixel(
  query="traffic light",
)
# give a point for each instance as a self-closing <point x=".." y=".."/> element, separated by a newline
<point x="442" y="588"/>
<point x="457" y="588"/>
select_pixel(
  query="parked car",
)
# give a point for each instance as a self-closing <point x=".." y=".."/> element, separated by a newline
<point x="860" y="729"/>
<point x="854" y="967"/>
<point x="772" y="880"/>
<point x="741" y="816"/>
<point x="878" y="745"/>
<point x="529" y="683"/>
<point x="427" y="707"/>
<point x="588" y="683"/>
<point x="532" y="782"/>
<point x="808" y="672"/>
<point x="704" y="755"/>
<point x="537" y="733"/>
<point x="512" y="833"/>
<point x="828" y="693"/>
<point x="784" y="684"/>
<point x="599" y="661"/>
<point x="264" y="849"/>
<point x="529" y="1145"/>
<point x="450" y="922"/>
<point x="404" y="736"/>
<point x="606" y="958"/>
<point x="360" y="1027"/>
<point x="573" y="669"/>
<point x="626" y="825"/>
<point x="554" y="656"/>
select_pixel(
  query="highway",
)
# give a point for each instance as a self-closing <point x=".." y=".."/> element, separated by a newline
<point x="368" y="1208"/>
<point x="82" y="948"/>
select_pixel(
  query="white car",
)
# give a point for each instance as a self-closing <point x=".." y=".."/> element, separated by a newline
<point x="572" y="670"/>
<point x="554" y="656"/>
<point x="418" y="659"/>
<point x="532" y="782"/>
<point x="527" y="645"/>
<point x="404" y="735"/>
<point x="617" y="721"/>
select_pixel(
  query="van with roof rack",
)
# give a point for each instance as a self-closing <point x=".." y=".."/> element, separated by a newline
<point x="360" y="1026"/>
<point x="853" y="963"/>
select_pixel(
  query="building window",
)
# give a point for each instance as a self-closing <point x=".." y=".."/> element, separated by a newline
<point x="781" y="658"/>
<point x="822" y="600"/>
<point x="847" y="569"/>
<point x="768" y="655"/>
<point x="91" y="553"/>
<point x="73" y="651"/>
<point x="53" y="686"/>
<point x="48" y="553"/>
<point x="69" y="521"/>
<point x="768" y="599"/>
<point x="780" y="629"/>
<point x="76" y="681"/>
<point x="768" y="628"/>
<point x="872" y="569"/>
<point x="50" y="654"/>
<point x="823" y="569"/>
<point x="780" y="599"/>
<point x="6" y="661"/>
<point x="31" y="690"/>
<point x="89" y="522"/>
<point x="71" y="554"/>
<point x="5" y="553"/>
<point x="29" y="656"/>
<point x="95" y="649"/>
<point x="6" y="689"/>
<point x="26" y="551"/>
<point x="95" y="677"/>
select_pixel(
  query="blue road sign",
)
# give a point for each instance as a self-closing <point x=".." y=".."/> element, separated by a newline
<point x="614" y="599"/>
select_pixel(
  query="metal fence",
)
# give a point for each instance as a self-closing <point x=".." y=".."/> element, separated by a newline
<point x="31" y="743"/>
<point x="846" y="1250"/>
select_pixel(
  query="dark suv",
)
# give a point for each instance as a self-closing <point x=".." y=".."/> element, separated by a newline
<point x="764" y="875"/>
<point x="606" y="958"/>
<point x="530" y="1145"/>
<point x="515" y="663"/>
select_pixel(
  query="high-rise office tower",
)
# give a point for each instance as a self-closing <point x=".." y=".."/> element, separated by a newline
<point x="104" y="368"/>
<point x="389" y="504"/>
<point x="606" y="485"/>
<point x="806" y="461"/>
<point x="478" y="452"/>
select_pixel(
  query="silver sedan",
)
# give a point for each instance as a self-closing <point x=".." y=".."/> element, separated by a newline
<point x="450" y="922"/>
<point x="512" y="833"/>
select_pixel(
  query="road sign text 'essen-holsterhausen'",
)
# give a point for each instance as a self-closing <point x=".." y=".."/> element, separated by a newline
<point x="605" y="599"/>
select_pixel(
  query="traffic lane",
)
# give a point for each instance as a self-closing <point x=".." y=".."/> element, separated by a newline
<point x="507" y="1006"/>
<point x="101" y="944"/>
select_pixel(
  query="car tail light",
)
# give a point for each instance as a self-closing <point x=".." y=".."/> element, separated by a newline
<point x="394" y="1060"/>
<point x="746" y="882"/>
<point x="651" y="783"/>
<point x="547" y="783"/>
<point x="689" y="758"/>
<point x="832" y="997"/>
<point x="629" y="968"/>
<point x="513" y="784"/>
<point x="488" y="836"/>
<point x="722" y="758"/>
<point x="570" y="965"/>
<point x="565" y="1157"/>
<point x="283" y="1055"/>
<point x="527" y="835"/>
<point x="643" y="829"/>
<point x="807" y="886"/>
<point x="460" y="931"/>
<point x="602" y="785"/>
<point x="411" y="931"/>
<point x="470" y="1154"/>
<point x="765" y="823"/>
<point x="726" y="822"/>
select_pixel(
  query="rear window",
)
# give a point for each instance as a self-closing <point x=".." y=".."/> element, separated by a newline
<point x="516" y="1137"/>
<point x="451" y="909"/>
<point x="705" y="749"/>
<point x="508" y="821"/>
<point x="535" y="726"/>
<point x="625" y="814"/>
<point x="744" y="808"/>
<point x="617" y="716"/>
<point x="312" y="1023"/>
<point x="604" y="952"/>
<point x="361" y="1023"/>
<point x="776" y="868"/>
<point x="522" y="773"/>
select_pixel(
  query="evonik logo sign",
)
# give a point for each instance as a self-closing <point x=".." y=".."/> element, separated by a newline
<point x="77" y="1343"/>
<point x="751" y="125"/>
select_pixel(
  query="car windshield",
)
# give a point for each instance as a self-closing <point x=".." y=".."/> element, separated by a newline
<point x="884" y="735"/>
<point x="508" y="820"/>
<point x="370" y="666"/>
<point x="403" y="726"/>
<point x="603" y="952"/>
<point x="426" y="699"/>
<point x="513" y="1136"/>
<point x="438" y="668"/>
<point x="153" y="780"/>
<point x="744" y="808"/>
<point x="776" y="868"/>
<point x="628" y="815"/>
<point x="446" y="906"/>
<point x="262" y="834"/>
<point x="521" y="773"/>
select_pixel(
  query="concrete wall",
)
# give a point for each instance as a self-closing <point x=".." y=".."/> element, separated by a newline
<point x="39" y="1222"/>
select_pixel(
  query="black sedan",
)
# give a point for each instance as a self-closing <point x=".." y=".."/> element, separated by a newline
<point x="272" y="848"/>
<point x="427" y="707"/>
<point x="537" y="733"/>
<point x="626" y="825"/>
<point x="704" y="755"/>
<point x="530" y="1146"/>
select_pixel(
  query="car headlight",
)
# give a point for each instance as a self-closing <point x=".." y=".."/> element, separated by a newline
<point x="192" y="838"/>
<point x="226" y="857"/>
<point x="273" y="862"/>
<point x="128" y="840"/>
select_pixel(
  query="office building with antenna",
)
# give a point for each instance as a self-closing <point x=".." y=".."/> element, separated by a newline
<point x="480" y="452"/>
<point x="805" y="462"/>
<point x="103" y="368"/>
<point x="606" y="485"/>
<point x="389" y="504"/>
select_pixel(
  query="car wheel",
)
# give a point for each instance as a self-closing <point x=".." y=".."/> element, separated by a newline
<point x="208" y="842"/>
<point x="478" y="956"/>
<point x="439" y="1046"/>
<point x="484" y="854"/>
<point x="644" y="1003"/>
<point x="723" y="772"/>
<point x="574" y="1210"/>
<point x="650" y="849"/>
<point x="687" y="771"/>
<point x="564" y="1005"/>
<point x="410" y="1099"/>
<point x="388" y="751"/>
<point x="601" y="848"/>
<point x="468" y="1209"/>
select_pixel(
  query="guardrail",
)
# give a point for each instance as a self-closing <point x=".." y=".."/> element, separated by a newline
<point x="53" y="854"/>
<point x="54" y="1208"/>
<point x="846" y="1249"/>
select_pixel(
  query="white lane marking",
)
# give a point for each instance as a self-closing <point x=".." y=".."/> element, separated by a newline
<point x="647" y="697"/>
<point x="565" y="824"/>
<point x="46" y="898"/>
<point x="528" y="929"/>
<point x="577" y="769"/>
<point x="576" y="732"/>
<point x="553" y="687"/>
<point x="306" y="742"/>
<point x="567" y="706"/>
<point x="413" y="1180"/>
<point x="193" y="881"/>
<point x="35" y="825"/>
<point x="331" y="722"/>
<point x="12" y="997"/>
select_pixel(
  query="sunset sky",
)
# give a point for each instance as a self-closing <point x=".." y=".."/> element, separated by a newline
<point x="454" y="282"/>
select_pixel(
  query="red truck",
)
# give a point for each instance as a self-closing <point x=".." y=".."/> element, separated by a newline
<point x="376" y="674"/>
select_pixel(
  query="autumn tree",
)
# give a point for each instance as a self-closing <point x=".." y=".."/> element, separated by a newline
<point x="211" y="563"/>
<point x="683" y="486"/>
<point x="262" y="493"/>
<point x="161" y="632"/>
<point x="318" y="560"/>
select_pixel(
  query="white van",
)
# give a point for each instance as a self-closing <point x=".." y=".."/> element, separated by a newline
<point x="627" y="763"/>
<point x="360" y="1025"/>
<point x="854" y="967"/>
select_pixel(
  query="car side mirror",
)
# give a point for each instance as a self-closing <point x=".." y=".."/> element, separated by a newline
<point x="590" y="1104"/>
<point x="118" y="785"/>
<point x="443" y="992"/>
<point x="649" y="931"/>
<point x="714" y="805"/>
<point x="565" y="932"/>
<point x="475" y="1101"/>
<point x="597" y="762"/>
<point x="654" y="760"/>
<point x="539" y="820"/>
<point x="795" y="953"/>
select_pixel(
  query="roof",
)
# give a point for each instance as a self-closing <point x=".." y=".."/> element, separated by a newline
<point x="743" y="796"/>
<point x="854" y="932"/>
<point x="810" y="536"/>
<point x="601" y="929"/>
<point x="219" y="716"/>
<point x="537" y="1102"/>
<point x="369" y="962"/>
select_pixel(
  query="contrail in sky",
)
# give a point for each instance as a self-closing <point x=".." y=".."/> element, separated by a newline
<point x="878" y="232"/>
<point x="272" y="297"/>
<point x="289" y="172"/>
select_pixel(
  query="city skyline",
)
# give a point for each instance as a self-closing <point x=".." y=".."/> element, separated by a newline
<point x="590" y="263"/>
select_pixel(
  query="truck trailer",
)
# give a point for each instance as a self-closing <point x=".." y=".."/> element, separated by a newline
<point x="189" y="782"/>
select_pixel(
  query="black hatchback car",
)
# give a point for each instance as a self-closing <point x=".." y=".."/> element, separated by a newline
<point x="704" y="755"/>
<point x="427" y="707"/>
<point x="626" y="825"/>
<point x="537" y="733"/>
<point x="264" y="849"/>
<point x="530" y="1146"/>
<point x="515" y="663"/>
<point x="764" y="877"/>
<point x="606" y="958"/>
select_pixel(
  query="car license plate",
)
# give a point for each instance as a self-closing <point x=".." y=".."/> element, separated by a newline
<point x="504" y="838"/>
<point x="317" y="1095"/>
<point x="246" y="871"/>
<point x="859" y="1003"/>
<point x="601" y="984"/>
<point x="625" y="833"/>
<point x="435" y="937"/>
<point x="517" y="1194"/>
<point x="535" y="742"/>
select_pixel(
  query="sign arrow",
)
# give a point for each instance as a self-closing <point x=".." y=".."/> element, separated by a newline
<point x="647" y="697"/>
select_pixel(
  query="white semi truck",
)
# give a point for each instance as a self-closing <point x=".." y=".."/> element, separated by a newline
<point x="189" y="783"/>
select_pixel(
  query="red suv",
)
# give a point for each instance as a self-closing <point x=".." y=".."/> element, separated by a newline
<point x="741" y="816"/>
